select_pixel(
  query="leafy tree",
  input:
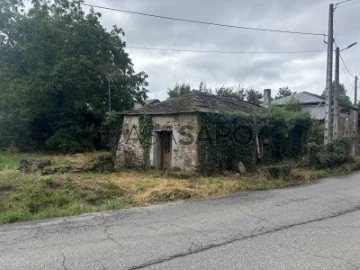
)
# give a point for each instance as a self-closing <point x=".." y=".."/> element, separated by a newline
<point x="203" y="88"/>
<point x="253" y="96"/>
<point x="284" y="92"/>
<point x="230" y="92"/>
<point x="185" y="88"/>
<point x="179" y="90"/>
<point x="344" y="99"/>
<point x="54" y="61"/>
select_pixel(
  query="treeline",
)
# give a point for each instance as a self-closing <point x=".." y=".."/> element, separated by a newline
<point x="249" y="94"/>
<point x="57" y="64"/>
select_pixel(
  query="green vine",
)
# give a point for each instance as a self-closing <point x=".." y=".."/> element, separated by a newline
<point x="222" y="144"/>
<point x="146" y="129"/>
<point x="282" y="133"/>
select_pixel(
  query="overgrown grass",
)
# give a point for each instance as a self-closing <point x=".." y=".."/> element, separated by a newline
<point x="12" y="161"/>
<point x="25" y="197"/>
<point x="29" y="197"/>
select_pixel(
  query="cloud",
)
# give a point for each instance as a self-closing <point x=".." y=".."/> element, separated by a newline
<point x="301" y="72"/>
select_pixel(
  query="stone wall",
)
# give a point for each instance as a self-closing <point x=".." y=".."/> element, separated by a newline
<point x="184" y="127"/>
<point x="184" y="147"/>
<point x="129" y="152"/>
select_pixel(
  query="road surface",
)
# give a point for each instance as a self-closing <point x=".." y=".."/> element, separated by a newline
<point x="308" y="227"/>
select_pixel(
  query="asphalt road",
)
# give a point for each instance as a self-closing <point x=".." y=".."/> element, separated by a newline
<point x="309" y="227"/>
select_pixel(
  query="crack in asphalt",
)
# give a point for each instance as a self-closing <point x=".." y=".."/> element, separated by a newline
<point x="239" y="238"/>
<point x="63" y="261"/>
<point x="109" y="236"/>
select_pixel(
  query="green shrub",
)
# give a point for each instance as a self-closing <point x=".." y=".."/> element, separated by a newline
<point x="333" y="154"/>
<point x="72" y="139"/>
<point x="312" y="154"/>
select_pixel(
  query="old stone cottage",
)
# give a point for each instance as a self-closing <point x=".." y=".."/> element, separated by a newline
<point x="175" y="126"/>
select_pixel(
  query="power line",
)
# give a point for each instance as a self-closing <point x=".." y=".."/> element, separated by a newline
<point x="346" y="67"/>
<point x="347" y="78"/>
<point x="225" y="52"/>
<point x="207" y="23"/>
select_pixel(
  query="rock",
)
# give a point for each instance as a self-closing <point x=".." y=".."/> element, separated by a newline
<point x="241" y="167"/>
<point x="32" y="166"/>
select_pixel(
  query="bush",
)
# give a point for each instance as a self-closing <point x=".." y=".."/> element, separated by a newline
<point x="72" y="139"/>
<point x="14" y="133"/>
<point x="334" y="154"/>
<point x="286" y="129"/>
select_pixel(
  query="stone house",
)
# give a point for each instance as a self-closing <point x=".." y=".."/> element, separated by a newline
<point x="175" y="126"/>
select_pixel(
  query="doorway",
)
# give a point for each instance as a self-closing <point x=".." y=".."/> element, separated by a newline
<point x="165" y="138"/>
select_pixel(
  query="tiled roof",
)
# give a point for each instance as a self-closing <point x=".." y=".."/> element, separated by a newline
<point x="306" y="98"/>
<point x="195" y="102"/>
<point x="302" y="97"/>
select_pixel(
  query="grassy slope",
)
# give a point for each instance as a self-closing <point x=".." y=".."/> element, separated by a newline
<point x="27" y="197"/>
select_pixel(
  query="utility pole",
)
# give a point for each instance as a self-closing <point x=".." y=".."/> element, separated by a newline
<point x="110" y="77"/>
<point x="336" y="94"/>
<point x="355" y="91"/>
<point x="356" y="116"/>
<point x="328" y="132"/>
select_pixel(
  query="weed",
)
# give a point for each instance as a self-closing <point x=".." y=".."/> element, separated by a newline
<point x="47" y="181"/>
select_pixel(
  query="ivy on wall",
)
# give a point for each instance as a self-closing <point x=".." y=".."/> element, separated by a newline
<point x="145" y="130"/>
<point x="224" y="140"/>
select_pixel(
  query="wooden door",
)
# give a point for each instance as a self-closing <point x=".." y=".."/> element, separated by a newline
<point x="166" y="138"/>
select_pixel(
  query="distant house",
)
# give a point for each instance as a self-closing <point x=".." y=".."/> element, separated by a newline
<point x="175" y="127"/>
<point x="315" y="105"/>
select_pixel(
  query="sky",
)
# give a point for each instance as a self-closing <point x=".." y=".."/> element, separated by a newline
<point x="298" y="71"/>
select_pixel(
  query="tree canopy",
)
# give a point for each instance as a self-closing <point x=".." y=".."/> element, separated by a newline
<point x="343" y="98"/>
<point x="56" y="66"/>
<point x="284" y="92"/>
<point x="179" y="90"/>
<point x="239" y="92"/>
<point x="185" y="88"/>
<point x="224" y="91"/>
<point x="253" y="96"/>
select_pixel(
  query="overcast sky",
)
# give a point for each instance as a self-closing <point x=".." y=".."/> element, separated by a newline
<point x="300" y="72"/>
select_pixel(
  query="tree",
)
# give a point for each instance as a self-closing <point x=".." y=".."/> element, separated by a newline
<point x="53" y="67"/>
<point x="185" y="88"/>
<point x="343" y="98"/>
<point x="203" y="88"/>
<point x="284" y="92"/>
<point x="179" y="90"/>
<point x="253" y="96"/>
<point x="230" y="92"/>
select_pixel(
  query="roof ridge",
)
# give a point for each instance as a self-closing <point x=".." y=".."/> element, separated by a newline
<point x="315" y="95"/>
